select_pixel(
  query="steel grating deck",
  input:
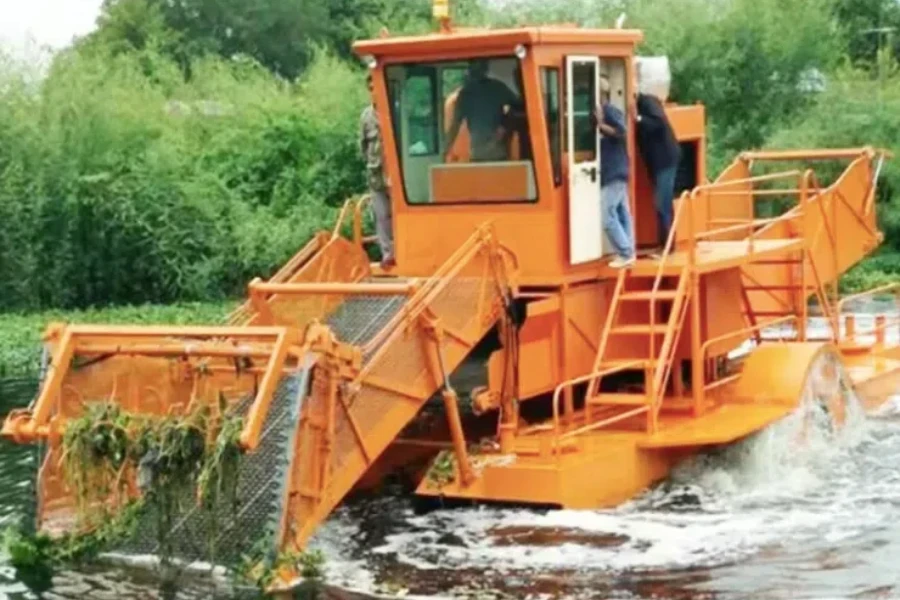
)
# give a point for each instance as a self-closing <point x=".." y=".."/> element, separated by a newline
<point x="361" y="317"/>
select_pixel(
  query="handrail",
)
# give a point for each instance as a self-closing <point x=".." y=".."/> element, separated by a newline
<point x="754" y="192"/>
<point x="753" y="179"/>
<point x="357" y="218"/>
<point x="427" y="290"/>
<point x="748" y="225"/>
<point x="368" y="289"/>
<point x="881" y="323"/>
<point x="668" y="347"/>
<point x="610" y="319"/>
<point x="704" y="349"/>
<point x="584" y="379"/>
<point x="876" y="290"/>
<point x="351" y="203"/>
<point x="787" y="155"/>
<point x="667" y="250"/>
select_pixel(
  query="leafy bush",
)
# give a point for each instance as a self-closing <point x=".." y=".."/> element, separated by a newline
<point x="121" y="183"/>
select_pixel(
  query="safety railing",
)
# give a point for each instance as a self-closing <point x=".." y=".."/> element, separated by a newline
<point x="743" y="334"/>
<point x="604" y="336"/>
<point x="868" y="294"/>
<point x="425" y="292"/>
<point x="353" y="209"/>
<point x="881" y="321"/>
<point x="669" y="346"/>
<point x="559" y="436"/>
<point x="224" y="352"/>
<point x="317" y="259"/>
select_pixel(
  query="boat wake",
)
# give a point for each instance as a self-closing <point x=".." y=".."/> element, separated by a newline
<point x="777" y="503"/>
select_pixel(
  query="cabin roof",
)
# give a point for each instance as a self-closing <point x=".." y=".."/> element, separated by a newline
<point x="461" y="40"/>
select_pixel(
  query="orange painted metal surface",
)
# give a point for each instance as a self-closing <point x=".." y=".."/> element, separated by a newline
<point x="601" y="380"/>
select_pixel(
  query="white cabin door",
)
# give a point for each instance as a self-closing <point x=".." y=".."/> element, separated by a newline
<point x="583" y="145"/>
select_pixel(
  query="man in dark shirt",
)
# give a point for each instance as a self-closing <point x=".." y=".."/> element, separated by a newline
<point x="614" y="179"/>
<point x="661" y="154"/>
<point x="482" y="103"/>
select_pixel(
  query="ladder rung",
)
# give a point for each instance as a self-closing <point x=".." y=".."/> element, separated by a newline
<point x="618" y="400"/>
<point x="639" y="329"/>
<point x="646" y="296"/>
<point x="771" y="288"/>
<point x="639" y="363"/>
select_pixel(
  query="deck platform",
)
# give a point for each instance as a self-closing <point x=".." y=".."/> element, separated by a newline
<point x="714" y="256"/>
<point x="725" y="424"/>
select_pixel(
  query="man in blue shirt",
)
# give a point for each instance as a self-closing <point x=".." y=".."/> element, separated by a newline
<point x="614" y="179"/>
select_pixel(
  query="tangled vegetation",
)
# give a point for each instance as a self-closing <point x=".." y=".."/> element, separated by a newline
<point x="105" y="447"/>
<point x="178" y="462"/>
<point x="443" y="469"/>
<point x="107" y="450"/>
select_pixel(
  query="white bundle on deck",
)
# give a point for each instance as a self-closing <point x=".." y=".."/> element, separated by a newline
<point x="654" y="76"/>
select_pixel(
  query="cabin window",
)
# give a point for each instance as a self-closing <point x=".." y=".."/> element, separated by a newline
<point x="461" y="131"/>
<point x="420" y="90"/>
<point x="584" y="100"/>
<point x="550" y="87"/>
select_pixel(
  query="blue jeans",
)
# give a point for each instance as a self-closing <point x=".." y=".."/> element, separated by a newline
<point x="617" y="218"/>
<point x="664" y="192"/>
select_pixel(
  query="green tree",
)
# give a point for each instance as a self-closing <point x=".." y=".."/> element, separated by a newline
<point x="280" y="34"/>
<point x="860" y="21"/>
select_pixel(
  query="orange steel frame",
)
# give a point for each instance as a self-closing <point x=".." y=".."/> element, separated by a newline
<point x="725" y="276"/>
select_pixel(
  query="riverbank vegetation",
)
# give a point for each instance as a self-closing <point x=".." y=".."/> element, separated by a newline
<point x="183" y="148"/>
<point x="20" y="347"/>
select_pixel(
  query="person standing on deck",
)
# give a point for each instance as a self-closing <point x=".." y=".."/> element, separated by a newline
<point x="614" y="178"/>
<point x="370" y="145"/>
<point x="661" y="153"/>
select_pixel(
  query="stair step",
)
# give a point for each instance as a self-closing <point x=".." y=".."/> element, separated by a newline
<point x="647" y="296"/>
<point x="638" y="363"/>
<point x="658" y="329"/>
<point x="618" y="400"/>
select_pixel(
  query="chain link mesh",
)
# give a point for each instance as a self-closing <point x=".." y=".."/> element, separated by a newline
<point x="222" y="536"/>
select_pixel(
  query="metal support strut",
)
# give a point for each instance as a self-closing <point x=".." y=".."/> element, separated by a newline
<point x="451" y="400"/>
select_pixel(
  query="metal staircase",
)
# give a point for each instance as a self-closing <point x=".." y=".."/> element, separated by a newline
<point x="652" y="329"/>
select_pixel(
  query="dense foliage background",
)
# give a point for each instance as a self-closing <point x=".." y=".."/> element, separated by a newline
<point x="186" y="146"/>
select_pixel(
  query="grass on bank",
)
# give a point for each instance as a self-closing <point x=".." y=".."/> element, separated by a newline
<point x="20" y="333"/>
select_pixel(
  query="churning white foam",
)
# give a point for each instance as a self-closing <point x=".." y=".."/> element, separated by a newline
<point x="797" y="482"/>
<point x="797" y="486"/>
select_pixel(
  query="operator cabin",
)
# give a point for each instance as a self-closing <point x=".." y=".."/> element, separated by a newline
<point x="519" y="148"/>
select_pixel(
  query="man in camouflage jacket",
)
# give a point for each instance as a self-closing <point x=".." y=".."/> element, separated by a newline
<point x="370" y="145"/>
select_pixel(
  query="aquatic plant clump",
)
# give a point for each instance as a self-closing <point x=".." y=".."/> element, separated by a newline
<point x="123" y="467"/>
<point x="106" y="451"/>
<point x="119" y="466"/>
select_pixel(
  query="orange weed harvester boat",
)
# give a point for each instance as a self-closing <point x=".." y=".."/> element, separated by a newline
<point x="592" y="383"/>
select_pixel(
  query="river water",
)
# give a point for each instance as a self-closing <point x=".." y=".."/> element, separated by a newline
<point x="777" y="516"/>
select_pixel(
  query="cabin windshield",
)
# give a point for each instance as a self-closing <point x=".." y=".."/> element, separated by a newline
<point x="461" y="131"/>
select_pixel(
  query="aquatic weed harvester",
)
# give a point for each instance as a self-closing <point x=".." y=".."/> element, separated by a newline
<point x="227" y="442"/>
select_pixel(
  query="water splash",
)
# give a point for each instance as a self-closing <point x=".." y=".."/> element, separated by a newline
<point x="796" y="489"/>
